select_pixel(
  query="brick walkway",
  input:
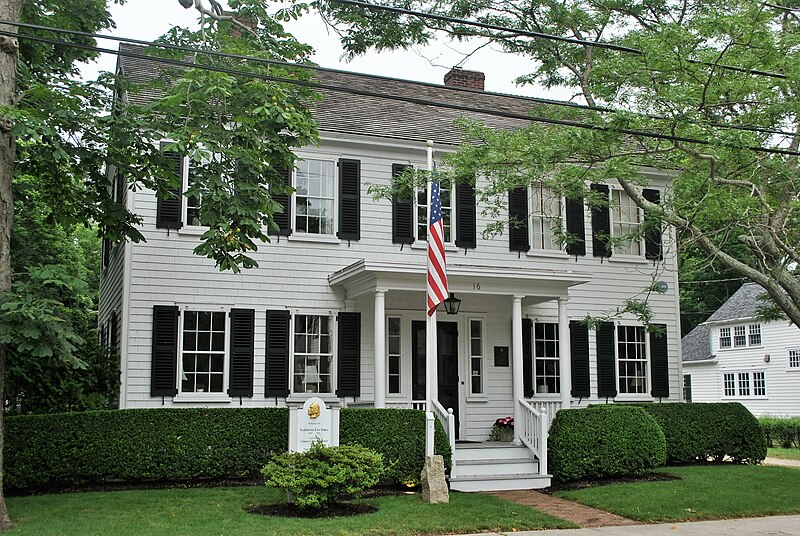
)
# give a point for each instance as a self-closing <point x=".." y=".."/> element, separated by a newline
<point x="583" y="516"/>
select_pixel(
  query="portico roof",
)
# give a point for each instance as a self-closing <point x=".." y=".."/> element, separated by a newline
<point x="365" y="276"/>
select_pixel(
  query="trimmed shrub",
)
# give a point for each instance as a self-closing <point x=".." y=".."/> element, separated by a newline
<point x="323" y="475"/>
<point x="784" y="433"/>
<point x="604" y="441"/>
<point x="398" y="435"/>
<point x="174" y="444"/>
<point x="698" y="432"/>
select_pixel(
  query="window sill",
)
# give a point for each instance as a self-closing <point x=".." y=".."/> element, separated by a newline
<point x="546" y="397"/>
<point x="305" y="237"/>
<point x="642" y="397"/>
<point x="553" y="253"/>
<point x="300" y="398"/>
<point x="192" y="230"/>
<point x="478" y="398"/>
<point x="419" y="244"/>
<point x="793" y="369"/>
<point x="201" y="397"/>
<point x="630" y="259"/>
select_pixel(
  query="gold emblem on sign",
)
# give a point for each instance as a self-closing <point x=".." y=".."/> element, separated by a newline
<point x="313" y="410"/>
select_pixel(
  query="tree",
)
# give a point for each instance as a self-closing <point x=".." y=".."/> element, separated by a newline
<point x="58" y="132"/>
<point x="707" y="90"/>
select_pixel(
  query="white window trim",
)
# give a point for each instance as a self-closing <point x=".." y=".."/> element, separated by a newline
<point x="204" y="397"/>
<point x="544" y="396"/>
<point x="626" y="257"/>
<point x="403" y="372"/>
<point x="558" y="250"/>
<point x="483" y="396"/>
<point x="732" y="328"/>
<point x="786" y="353"/>
<point x="302" y="397"/>
<point x="751" y="384"/>
<point x="300" y="236"/>
<point x="633" y="397"/>
<point x="423" y="244"/>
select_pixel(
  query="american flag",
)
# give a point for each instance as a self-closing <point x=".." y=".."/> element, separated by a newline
<point x="437" y="266"/>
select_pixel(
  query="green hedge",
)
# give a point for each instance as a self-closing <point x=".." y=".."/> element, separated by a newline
<point x="398" y="434"/>
<point x="701" y="432"/>
<point x="784" y="433"/>
<point x="168" y="444"/>
<point x="604" y="441"/>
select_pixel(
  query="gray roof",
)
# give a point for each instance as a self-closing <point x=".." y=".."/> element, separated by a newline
<point x="347" y="113"/>
<point x="696" y="345"/>
<point x="743" y="304"/>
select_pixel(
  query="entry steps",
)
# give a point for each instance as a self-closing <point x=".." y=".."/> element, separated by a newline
<point x="495" y="466"/>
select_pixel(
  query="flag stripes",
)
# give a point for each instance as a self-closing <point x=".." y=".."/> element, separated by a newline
<point x="437" y="265"/>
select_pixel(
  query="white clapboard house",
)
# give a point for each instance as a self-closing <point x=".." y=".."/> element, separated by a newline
<point x="736" y="357"/>
<point x="336" y="306"/>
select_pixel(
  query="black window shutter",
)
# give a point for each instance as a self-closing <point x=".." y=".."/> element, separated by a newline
<point x="606" y="377"/>
<point x="402" y="213"/>
<point x="113" y="344"/>
<point x="283" y="219"/>
<point x="601" y="224"/>
<point x="349" y="355"/>
<point x="576" y="226"/>
<point x="579" y="358"/>
<point x="527" y="357"/>
<point x="106" y="246"/>
<point x="277" y="358"/>
<point x="169" y="211"/>
<point x="518" y="220"/>
<point x="165" y="351"/>
<point x="659" y="364"/>
<point x="652" y="241"/>
<point x="119" y="187"/>
<point x="349" y="199"/>
<point x="466" y="217"/>
<point x="242" y="334"/>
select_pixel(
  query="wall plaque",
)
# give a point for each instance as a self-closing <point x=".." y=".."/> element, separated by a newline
<point x="501" y="356"/>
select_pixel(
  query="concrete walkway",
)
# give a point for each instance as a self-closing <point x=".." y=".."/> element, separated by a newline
<point x="783" y="462"/>
<point x="758" y="526"/>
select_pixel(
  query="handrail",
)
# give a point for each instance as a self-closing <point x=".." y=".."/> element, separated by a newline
<point x="533" y="432"/>
<point x="448" y="421"/>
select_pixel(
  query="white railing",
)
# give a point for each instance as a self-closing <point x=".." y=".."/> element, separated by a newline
<point x="448" y="421"/>
<point x="402" y="404"/>
<point x="548" y="407"/>
<point x="533" y="432"/>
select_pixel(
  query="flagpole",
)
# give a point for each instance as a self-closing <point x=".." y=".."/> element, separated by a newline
<point x="430" y="326"/>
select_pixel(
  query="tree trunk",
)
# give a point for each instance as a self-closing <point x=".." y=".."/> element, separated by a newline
<point x="9" y="49"/>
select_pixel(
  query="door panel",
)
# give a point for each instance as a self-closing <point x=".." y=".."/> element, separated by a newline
<point x="446" y="363"/>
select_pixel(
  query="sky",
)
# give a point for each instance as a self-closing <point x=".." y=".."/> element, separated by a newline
<point x="148" y="19"/>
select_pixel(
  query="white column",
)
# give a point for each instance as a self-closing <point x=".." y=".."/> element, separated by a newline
<point x="564" y="358"/>
<point x="516" y="362"/>
<point x="380" y="349"/>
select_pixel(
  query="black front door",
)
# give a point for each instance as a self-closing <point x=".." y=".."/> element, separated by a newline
<point x="447" y="363"/>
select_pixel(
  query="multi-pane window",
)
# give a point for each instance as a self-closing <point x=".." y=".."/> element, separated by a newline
<point x="545" y="350"/>
<point x="203" y="351"/>
<point x="313" y="356"/>
<point x="192" y="201"/>
<point x="794" y="358"/>
<point x="739" y="336"/>
<point x="447" y="213"/>
<point x="724" y="337"/>
<point x="632" y="359"/>
<point x="476" y="356"/>
<point x="394" y="355"/>
<point x="754" y="338"/>
<point x="626" y="219"/>
<point x="729" y="384"/>
<point x="759" y="384"/>
<point x="744" y="384"/>
<point x="545" y="217"/>
<point x="687" y="387"/>
<point x="315" y="197"/>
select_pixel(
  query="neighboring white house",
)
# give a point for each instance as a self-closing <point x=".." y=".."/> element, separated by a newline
<point x="336" y="307"/>
<point x="735" y="357"/>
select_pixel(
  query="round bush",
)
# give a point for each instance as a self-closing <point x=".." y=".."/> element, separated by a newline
<point x="323" y="475"/>
<point x="604" y="441"/>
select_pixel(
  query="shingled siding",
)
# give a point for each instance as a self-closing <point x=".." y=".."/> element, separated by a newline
<point x="294" y="273"/>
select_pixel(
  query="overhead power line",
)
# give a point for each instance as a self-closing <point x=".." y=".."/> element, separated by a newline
<point x="540" y="35"/>
<point x="218" y="54"/>
<point x="400" y="98"/>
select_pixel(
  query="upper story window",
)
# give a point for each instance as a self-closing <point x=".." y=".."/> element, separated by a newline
<point x="740" y="336"/>
<point x="632" y="360"/>
<point x="724" y="337"/>
<point x="315" y="197"/>
<point x="545" y="218"/>
<point x="448" y="214"/>
<point x="192" y="204"/>
<point x="313" y="354"/>
<point x="626" y="217"/>
<point x="754" y="335"/>
<point x="204" y="355"/>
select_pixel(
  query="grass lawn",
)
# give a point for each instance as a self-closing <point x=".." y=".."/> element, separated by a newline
<point x="789" y="454"/>
<point x="218" y="511"/>
<point x="704" y="492"/>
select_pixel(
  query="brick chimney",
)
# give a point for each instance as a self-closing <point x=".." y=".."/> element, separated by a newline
<point x="458" y="77"/>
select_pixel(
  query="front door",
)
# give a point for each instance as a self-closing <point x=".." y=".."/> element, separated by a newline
<point x="446" y="364"/>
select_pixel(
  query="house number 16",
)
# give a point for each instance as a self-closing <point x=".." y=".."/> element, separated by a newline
<point x="476" y="286"/>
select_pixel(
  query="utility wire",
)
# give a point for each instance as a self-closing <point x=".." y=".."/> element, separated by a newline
<point x="214" y="53"/>
<point x="400" y="98"/>
<point x="539" y="35"/>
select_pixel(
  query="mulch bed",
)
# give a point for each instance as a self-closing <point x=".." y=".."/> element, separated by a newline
<point x="290" y="510"/>
<point x="582" y="484"/>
